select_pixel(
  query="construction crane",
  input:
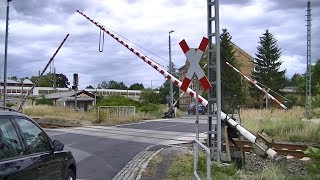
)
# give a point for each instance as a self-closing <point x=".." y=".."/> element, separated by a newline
<point x="264" y="148"/>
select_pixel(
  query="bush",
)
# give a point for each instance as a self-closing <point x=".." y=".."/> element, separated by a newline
<point x="314" y="166"/>
<point x="117" y="100"/>
<point x="9" y="104"/>
<point x="44" y="101"/>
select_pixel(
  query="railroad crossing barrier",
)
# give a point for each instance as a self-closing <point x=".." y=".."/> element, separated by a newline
<point x="245" y="133"/>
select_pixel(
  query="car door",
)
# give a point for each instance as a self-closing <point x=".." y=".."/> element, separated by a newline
<point x="14" y="161"/>
<point x="50" y="165"/>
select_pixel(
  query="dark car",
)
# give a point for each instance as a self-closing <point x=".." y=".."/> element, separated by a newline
<point x="192" y="109"/>
<point x="27" y="152"/>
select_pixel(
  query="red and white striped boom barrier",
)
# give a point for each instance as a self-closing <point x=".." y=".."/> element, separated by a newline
<point x="248" y="135"/>
<point x="256" y="85"/>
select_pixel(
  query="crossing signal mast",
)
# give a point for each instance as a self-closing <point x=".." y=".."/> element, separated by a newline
<point x="263" y="149"/>
<point x="308" y="73"/>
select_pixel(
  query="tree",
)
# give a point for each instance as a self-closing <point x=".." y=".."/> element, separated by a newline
<point x="115" y="85"/>
<point x="48" y="80"/>
<point x="267" y="64"/>
<point x="136" y="86"/>
<point x="62" y="81"/>
<point x="103" y="85"/>
<point x="149" y="96"/>
<point x="231" y="83"/>
<point x="165" y="87"/>
<point x="315" y="78"/>
<point x="90" y="87"/>
<point x="298" y="81"/>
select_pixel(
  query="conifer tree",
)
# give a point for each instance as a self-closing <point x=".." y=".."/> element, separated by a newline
<point x="231" y="83"/>
<point x="267" y="63"/>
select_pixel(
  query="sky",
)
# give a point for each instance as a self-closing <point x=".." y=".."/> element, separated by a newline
<point x="37" y="27"/>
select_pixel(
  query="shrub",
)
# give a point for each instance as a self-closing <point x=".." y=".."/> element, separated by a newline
<point x="44" y="101"/>
<point x="314" y="166"/>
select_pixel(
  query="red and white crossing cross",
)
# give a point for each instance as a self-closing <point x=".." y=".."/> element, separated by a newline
<point x="193" y="57"/>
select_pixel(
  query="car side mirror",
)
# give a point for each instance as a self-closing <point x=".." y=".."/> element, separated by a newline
<point x="57" y="145"/>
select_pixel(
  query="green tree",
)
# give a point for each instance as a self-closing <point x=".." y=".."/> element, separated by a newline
<point x="165" y="87"/>
<point x="48" y="80"/>
<point x="136" y="86"/>
<point x="90" y="87"/>
<point x="62" y="81"/>
<point x="298" y="81"/>
<point x="315" y="78"/>
<point x="103" y="85"/>
<point x="149" y="96"/>
<point x="116" y="85"/>
<point x="231" y="83"/>
<point x="267" y="64"/>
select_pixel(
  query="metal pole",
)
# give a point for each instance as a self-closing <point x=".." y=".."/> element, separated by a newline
<point x="5" y="57"/>
<point x="54" y="79"/>
<point x="170" y="70"/>
<point x="75" y="98"/>
<point x="40" y="74"/>
<point x="21" y="90"/>
<point x="218" y="79"/>
<point x="197" y="109"/>
<point x="209" y="61"/>
<point x="308" y="74"/>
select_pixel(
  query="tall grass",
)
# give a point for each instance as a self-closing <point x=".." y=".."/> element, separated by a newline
<point x="61" y="112"/>
<point x="281" y="125"/>
<point x="67" y="116"/>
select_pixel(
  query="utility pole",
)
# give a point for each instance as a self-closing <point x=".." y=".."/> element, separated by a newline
<point x="6" y="57"/>
<point x="170" y="70"/>
<point x="54" y="80"/>
<point x="308" y="74"/>
<point x="75" y="87"/>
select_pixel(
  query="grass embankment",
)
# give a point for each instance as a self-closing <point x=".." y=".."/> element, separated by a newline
<point x="182" y="168"/>
<point x="282" y="125"/>
<point x="67" y="116"/>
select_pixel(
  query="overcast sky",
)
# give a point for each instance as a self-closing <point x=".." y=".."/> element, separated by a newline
<point x="37" y="27"/>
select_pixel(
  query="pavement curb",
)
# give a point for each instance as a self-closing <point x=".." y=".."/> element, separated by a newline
<point x="144" y="166"/>
<point x="136" y="165"/>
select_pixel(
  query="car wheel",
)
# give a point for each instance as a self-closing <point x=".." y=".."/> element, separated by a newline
<point x="70" y="175"/>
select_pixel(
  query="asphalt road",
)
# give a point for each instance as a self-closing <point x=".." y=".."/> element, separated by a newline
<point x="102" y="151"/>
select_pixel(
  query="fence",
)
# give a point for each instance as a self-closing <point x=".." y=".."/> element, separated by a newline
<point x="115" y="112"/>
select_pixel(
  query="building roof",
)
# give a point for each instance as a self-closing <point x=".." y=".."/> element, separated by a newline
<point x="25" y="81"/>
<point x="66" y="94"/>
<point x="59" y="95"/>
<point x="78" y="99"/>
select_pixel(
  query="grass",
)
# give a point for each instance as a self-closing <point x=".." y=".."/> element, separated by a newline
<point x="281" y="125"/>
<point x="67" y="116"/>
<point x="182" y="168"/>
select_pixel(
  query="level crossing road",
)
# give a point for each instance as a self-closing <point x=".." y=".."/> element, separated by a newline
<point x="102" y="152"/>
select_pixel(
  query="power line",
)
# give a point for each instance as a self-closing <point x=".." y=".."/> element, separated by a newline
<point x="140" y="47"/>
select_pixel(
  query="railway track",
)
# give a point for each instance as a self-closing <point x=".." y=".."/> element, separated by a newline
<point x="283" y="149"/>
